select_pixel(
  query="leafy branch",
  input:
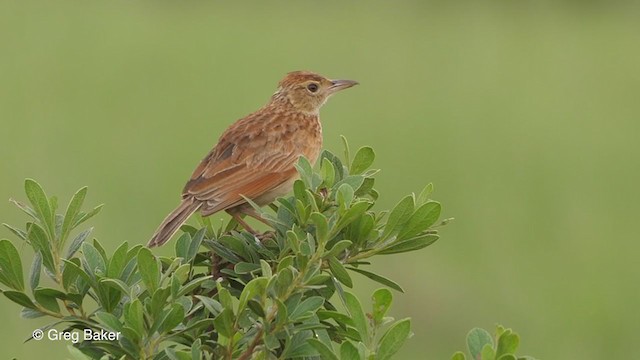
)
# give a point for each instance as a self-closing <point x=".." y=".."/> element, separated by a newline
<point x="482" y="346"/>
<point x="225" y="294"/>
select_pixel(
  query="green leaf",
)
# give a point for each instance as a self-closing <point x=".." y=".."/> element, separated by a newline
<point x="363" y="230"/>
<point x="327" y="172"/>
<point x="379" y="278"/>
<point x="338" y="317"/>
<point x="100" y="249"/>
<point x="488" y="353"/>
<point x="398" y="216"/>
<point x="344" y="195"/>
<point x="425" y="193"/>
<point x="26" y="209"/>
<point x="27" y="313"/>
<point x="293" y="241"/>
<point x="182" y="246"/>
<point x="266" y="269"/>
<point x="325" y="352"/>
<point x="225" y="297"/>
<point x="173" y="318"/>
<point x="82" y="217"/>
<point x="256" y="307"/>
<point x="306" y="172"/>
<point x="362" y="160"/>
<point x="20" y="298"/>
<point x="4" y="279"/>
<point x="348" y="351"/>
<point x="109" y="321"/>
<point x="94" y="260"/>
<point x="425" y="216"/>
<point x="322" y="229"/>
<point x="224" y="323"/>
<point x="303" y="350"/>
<point x="173" y="354"/>
<point x="340" y="273"/>
<point x="77" y="242"/>
<point x="47" y="299"/>
<point x="338" y="248"/>
<point x="72" y="211"/>
<point x="366" y="189"/>
<point x="40" y="204"/>
<point x="195" y="244"/>
<point x="191" y="285"/>
<point x="413" y="244"/>
<point x="132" y="338"/>
<point x="354" y="181"/>
<point x="58" y="218"/>
<point x="459" y="356"/>
<point x="36" y="269"/>
<point x="175" y="286"/>
<point x="118" y="285"/>
<point x="307" y="308"/>
<point x="382" y="299"/>
<point x="507" y="343"/>
<point x="476" y="340"/>
<point x="282" y="316"/>
<point x="283" y="281"/>
<point x="336" y="162"/>
<point x="255" y="287"/>
<point x="17" y="232"/>
<point x="246" y="268"/>
<point x="393" y="339"/>
<point x="309" y="247"/>
<point x="77" y="354"/>
<point x="210" y="304"/>
<point x="40" y="242"/>
<point x="134" y="316"/>
<point x="353" y="213"/>
<point x="507" y="357"/>
<point x="196" y="350"/>
<point x="182" y="273"/>
<point x="300" y="192"/>
<point x="149" y="269"/>
<point x="71" y="272"/>
<point x="11" y="265"/>
<point x="347" y="156"/>
<point x="357" y="315"/>
<point x="118" y="261"/>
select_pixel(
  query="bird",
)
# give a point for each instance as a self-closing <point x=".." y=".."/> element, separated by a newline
<point x="255" y="157"/>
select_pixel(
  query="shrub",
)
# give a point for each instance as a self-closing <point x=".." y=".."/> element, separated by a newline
<point x="225" y="294"/>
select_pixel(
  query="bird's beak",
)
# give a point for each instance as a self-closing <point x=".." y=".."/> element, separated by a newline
<point x="337" y="85"/>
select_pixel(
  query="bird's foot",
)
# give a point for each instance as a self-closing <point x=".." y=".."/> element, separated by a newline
<point x="267" y="235"/>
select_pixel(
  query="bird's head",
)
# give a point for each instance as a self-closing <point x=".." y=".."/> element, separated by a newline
<point x="308" y="91"/>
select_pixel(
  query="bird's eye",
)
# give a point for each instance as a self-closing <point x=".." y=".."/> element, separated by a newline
<point x="313" y="87"/>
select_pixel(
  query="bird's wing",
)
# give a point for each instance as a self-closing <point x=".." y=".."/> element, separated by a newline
<point x="241" y="165"/>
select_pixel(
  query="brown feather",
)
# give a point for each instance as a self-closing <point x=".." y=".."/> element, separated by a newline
<point x="173" y="221"/>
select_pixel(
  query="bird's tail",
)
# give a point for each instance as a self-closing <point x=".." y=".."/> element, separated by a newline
<point x="173" y="221"/>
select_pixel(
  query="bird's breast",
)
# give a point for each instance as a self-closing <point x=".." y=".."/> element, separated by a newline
<point x="300" y="133"/>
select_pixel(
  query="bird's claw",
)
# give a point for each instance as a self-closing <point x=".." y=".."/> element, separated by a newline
<point x="267" y="235"/>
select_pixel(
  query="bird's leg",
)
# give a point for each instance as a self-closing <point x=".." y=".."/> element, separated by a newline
<point x="254" y="214"/>
<point x="250" y="211"/>
<point x="237" y="216"/>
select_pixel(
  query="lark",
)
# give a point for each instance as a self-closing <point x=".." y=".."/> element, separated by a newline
<point x="255" y="157"/>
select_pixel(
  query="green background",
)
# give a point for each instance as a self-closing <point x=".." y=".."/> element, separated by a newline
<point x="525" y="115"/>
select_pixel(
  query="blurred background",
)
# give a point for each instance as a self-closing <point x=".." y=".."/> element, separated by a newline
<point x="525" y="115"/>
